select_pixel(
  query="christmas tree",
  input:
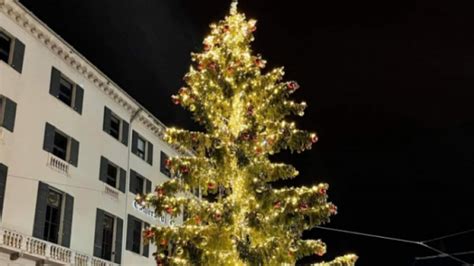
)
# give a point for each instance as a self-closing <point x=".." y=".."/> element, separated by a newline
<point x="242" y="220"/>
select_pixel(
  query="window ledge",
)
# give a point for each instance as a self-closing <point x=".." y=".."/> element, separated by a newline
<point x="111" y="191"/>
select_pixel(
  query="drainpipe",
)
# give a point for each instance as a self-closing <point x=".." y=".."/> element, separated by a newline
<point x="127" y="180"/>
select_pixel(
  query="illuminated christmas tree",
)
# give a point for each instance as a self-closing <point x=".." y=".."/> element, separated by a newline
<point x="241" y="220"/>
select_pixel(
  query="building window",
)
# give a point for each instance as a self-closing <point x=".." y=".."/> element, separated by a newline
<point x="5" y="47"/>
<point x="53" y="215"/>
<point x="115" y="126"/>
<point x="12" y="51"/>
<point x="139" y="184"/>
<point x="135" y="228"/>
<point x="7" y="113"/>
<point x="61" y="145"/>
<point x="108" y="236"/>
<point x="66" y="91"/>
<point x="163" y="169"/>
<point x="111" y="174"/>
<point x="142" y="148"/>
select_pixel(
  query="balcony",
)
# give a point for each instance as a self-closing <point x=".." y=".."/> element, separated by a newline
<point x="58" y="164"/>
<point x="43" y="252"/>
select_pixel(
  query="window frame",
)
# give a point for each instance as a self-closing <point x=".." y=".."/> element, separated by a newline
<point x="112" y="245"/>
<point x="140" y="138"/>
<point x="73" y="90"/>
<point x="12" y="46"/>
<point x="117" y="174"/>
<point x="68" y="145"/>
<point x="140" y="240"/>
<point x="61" y="215"/>
<point x="120" y="125"/>
<point x="142" y="182"/>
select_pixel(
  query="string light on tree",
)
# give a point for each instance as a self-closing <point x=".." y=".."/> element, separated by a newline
<point x="243" y="110"/>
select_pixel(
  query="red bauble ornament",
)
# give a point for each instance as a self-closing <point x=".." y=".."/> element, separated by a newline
<point x="218" y="216"/>
<point x="160" y="191"/>
<point x="184" y="169"/>
<point x="211" y="186"/>
<point x="314" y="138"/>
<point x="148" y="233"/>
<point x="277" y="205"/>
<point x="260" y="63"/>
<point x="175" y="99"/>
<point x="197" y="219"/>
<point x="163" y="242"/>
<point x="226" y="28"/>
<point x="323" y="190"/>
<point x="319" y="252"/>
<point x="292" y="85"/>
<point x="207" y="47"/>
<point x="168" y="163"/>
<point x="332" y="209"/>
<point x="303" y="206"/>
<point x="258" y="150"/>
<point x="250" y="110"/>
<point x="169" y="210"/>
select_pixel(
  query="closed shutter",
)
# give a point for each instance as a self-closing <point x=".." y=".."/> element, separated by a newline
<point x="9" y="115"/>
<point x="3" y="183"/>
<point x="125" y="128"/>
<point x="123" y="177"/>
<point x="54" y="83"/>
<point x="134" y="142"/>
<point x="103" y="169"/>
<point x="79" y="98"/>
<point x="150" y="153"/>
<point x="118" y="240"/>
<point x="130" y="221"/>
<point x="18" y="54"/>
<point x="40" y="211"/>
<point x="146" y="248"/>
<point x="148" y="186"/>
<point x="99" y="226"/>
<point x="67" y="221"/>
<point x="133" y="180"/>
<point x="49" y="132"/>
<point x="74" y="152"/>
<point x="107" y="115"/>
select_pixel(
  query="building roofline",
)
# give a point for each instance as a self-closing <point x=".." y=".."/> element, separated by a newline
<point x="56" y="44"/>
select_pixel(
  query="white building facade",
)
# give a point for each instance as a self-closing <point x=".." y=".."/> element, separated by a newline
<point x="74" y="151"/>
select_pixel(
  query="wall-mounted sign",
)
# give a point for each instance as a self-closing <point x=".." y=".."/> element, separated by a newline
<point x="144" y="210"/>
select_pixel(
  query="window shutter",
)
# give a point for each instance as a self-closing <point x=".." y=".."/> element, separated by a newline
<point x="133" y="174"/>
<point x="130" y="220"/>
<point x="9" y="116"/>
<point x="118" y="240"/>
<point x="125" y="128"/>
<point x="54" y="83"/>
<point x="74" y="152"/>
<point x="49" y="132"/>
<point x="150" y="153"/>
<point x="18" y="54"/>
<point x="134" y="142"/>
<point x="99" y="226"/>
<point x="3" y="183"/>
<point x="79" y="98"/>
<point x="107" y="115"/>
<point x="123" y="177"/>
<point x="40" y="212"/>
<point x="148" y="186"/>
<point x="146" y="247"/>
<point x="67" y="221"/>
<point x="103" y="169"/>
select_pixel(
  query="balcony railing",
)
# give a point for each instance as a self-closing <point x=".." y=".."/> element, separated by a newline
<point x="58" y="164"/>
<point x="43" y="250"/>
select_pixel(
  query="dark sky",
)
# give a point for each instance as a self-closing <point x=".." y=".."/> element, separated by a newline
<point x="389" y="86"/>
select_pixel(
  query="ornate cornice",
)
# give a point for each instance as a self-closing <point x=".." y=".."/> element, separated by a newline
<point x="41" y="32"/>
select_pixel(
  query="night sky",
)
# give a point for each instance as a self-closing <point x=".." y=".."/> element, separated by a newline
<point x="389" y="87"/>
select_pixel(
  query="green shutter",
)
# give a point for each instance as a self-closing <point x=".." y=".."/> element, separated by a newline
<point x="99" y="226"/>
<point x="9" y="115"/>
<point x="133" y="174"/>
<point x="106" y="123"/>
<point x="67" y="221"/>
<point x="118" y="240"/>
<point x="40" y="211"/>
<point x="74" y="152"/>
<point x="123" y="177"/>
<point x="3" y="183"/>
<point x="54" y="83"/>
<point x="103" y="169"/>
<point x="130" y="220"/>
<point x="18" y="54"/>
<point x="150" y="153"/>
<point x="146" y="247"/>
<point x="49" y="132"/>
<point x="148" y="186"/>
<point x="79" y="98"/>
<point x="125" y="128"/>
<point x="134" y="142"/>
